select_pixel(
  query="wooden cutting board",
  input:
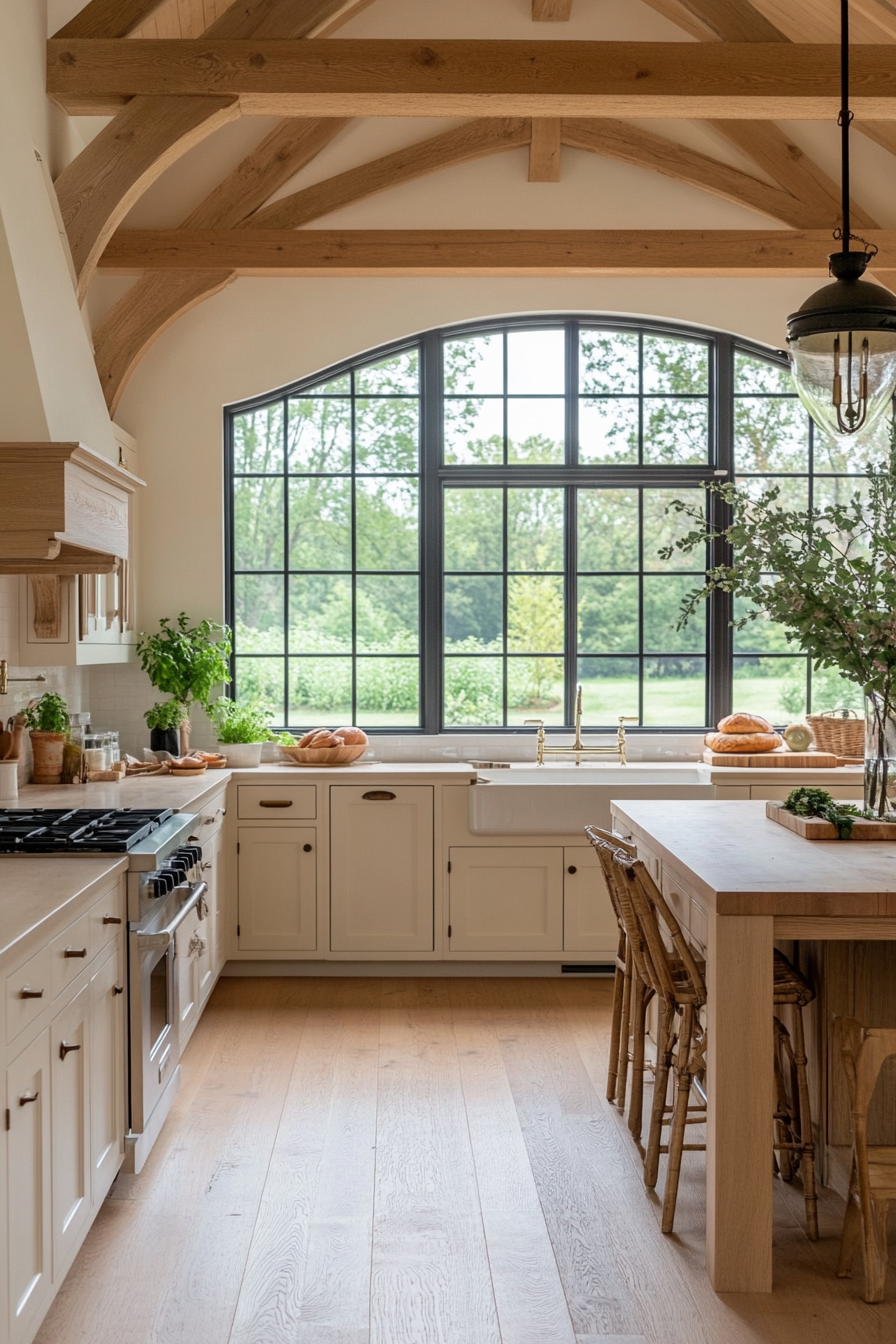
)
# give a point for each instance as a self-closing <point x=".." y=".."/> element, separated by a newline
<point x="781" y="759"/>
<point x="814" y="828"/>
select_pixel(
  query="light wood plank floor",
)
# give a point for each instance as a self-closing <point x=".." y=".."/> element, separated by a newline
<point x="413" y="1161"/>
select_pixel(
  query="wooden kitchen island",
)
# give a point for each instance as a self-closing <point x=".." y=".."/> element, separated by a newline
<point x="739" y="883"/>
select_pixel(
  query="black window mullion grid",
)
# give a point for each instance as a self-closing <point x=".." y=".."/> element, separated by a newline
<point x="286" y="565"/>
<point x="354" y="552"/>
<point x="431" y="542"/>
<point x="640" y="659"/>
<point x="504" y="559"/>
<point x="720" y="640"/>
<point x="571" y="457"/>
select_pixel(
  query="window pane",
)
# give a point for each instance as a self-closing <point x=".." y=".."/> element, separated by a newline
<point x="662" y="526"/>
<point x="536" y="361"/>
<point x="676" y="430"/>
<point x="608" y="362"/>
<point x="258" y="613"/>
<point x="261" y="679"/>
<point x="535" y="529"/>
<point x="674" y="691"/>
<point x="320" y="434"/>
<point x="608" y="615"/>
<point x="388" y="619"/>
<point x="535" y="613"/>
<point x="388" y="692"/>
<point x="662" y="598"/>
<point x="536" y="430"/>
<point x="335" y="387"/>
<point x="828" y="690"/>
<point x="474" y="364"/>
<point x="830" y="490"/>
<point x="757" y="375"/>
<point x="320" y="613"/>
<point x="474" y="430"/>
<point x="760" y="635"/>
<point x="772" y="687"/>
<point x="793" y="491"/>
<point x="396" y="375"/>
<point x="320" y="533"/>
<point x="387" y="434"/>
<point x="258" y="524"/>
<point x="535" y="689"/>
<point x="770" y="434"/>
<point x="474" y="529"/>
<point x="258" y="440"/>
<point x="320" y="691"/>
<point x="386" y="512"/>
<point x="474" y="691"/>
<point x="608" y="430"/>
<point x="474" y="613"/>
<point x="673" y="365"/>
<point x="853" y="454"/>
<point x="609" y="688"/>
<point x="608" y="529"/>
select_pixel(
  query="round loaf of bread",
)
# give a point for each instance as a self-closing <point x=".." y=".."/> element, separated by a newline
<point x="351" y="736"/>
<point x="740" y="722"/>
<point x="738" y="742"/>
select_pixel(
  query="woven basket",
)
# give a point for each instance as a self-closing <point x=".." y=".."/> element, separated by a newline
<point x="837" y="732"/>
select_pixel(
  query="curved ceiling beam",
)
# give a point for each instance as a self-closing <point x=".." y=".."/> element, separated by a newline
<point x="100" y="186"/>
<point x="150" y="306"/>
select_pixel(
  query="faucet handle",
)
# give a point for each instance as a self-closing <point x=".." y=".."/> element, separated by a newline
<point x="540" y="722"/>
<point x="629" y="718"/>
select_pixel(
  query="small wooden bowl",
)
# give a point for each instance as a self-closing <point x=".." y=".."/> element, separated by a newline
<point x="324" y="756"/>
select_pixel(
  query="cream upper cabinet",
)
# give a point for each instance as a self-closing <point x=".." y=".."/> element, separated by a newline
<point x="589" y="924"/>
<point x="506" y="899"/>
<point x="277" y="888"/>
<point x="381" y="868"/>
<point x="29" y="1213"/>
<point x="70" y="1048"/>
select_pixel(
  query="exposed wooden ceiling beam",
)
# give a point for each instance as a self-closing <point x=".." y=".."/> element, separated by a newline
<point x="634" y="144"/>
<point x="734" y="20"/>
<point x="109" y="18"/>
<point x="377" y="77"/>
<point x="262" y="19"/>
<point x="707" y="252"/>
<point x="544" y="150"/>
<point x="677" y="12"/>
<point x="551" y="11"/>
<point x="881" y="12"/>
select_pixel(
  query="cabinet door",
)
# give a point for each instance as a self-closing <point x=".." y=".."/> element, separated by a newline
<point x="210" y="961"/>
<point x="381" y="869"/>
<point x="277" y="876"/>
<point x="589" y="924"/>
<point x="107" y="1074"/>
<point x="188" y="940"/>
<point x="70" y="1048"/>
<point x="29" y="1213"/>
<point x="506" y="899"/>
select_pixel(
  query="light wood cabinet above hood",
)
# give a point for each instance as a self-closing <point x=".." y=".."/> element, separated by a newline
<point x="63" y="509"/>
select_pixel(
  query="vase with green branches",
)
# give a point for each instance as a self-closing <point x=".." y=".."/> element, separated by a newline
<point x="186" y="662"/>
<point x="828" y="576"/>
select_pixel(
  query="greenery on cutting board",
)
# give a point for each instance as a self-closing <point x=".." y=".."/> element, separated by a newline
<point x="186" y="661"/>
<point x="806" y="802"/>
<point x="49" y="714"/>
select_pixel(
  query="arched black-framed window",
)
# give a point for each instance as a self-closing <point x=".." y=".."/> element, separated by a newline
<point x="452" y="531"/>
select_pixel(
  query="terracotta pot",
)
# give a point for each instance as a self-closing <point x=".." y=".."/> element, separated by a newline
<point x="47" y="749"/>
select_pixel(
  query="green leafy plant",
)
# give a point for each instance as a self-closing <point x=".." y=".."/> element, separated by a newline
<point x="827" y="575"/>
<point x="186" y="661"/>
<point x="49" y="714"/>
<point x="242" y="722"/>
<point x="167" y="715"/>
<point x="807" y="802"/>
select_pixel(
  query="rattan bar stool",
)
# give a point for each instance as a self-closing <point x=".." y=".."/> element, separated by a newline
<point x="872" y="1183"/>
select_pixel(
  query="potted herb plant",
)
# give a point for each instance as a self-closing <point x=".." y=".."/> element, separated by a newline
<point x="48" y="721"/>
<point x="828" y="576"/>
<point x="242" y="730"/>
<point x="186" y="662"/>
<point x="164" y="721"/>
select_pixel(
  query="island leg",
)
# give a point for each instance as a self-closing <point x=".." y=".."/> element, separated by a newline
<point x="739" y="976"/>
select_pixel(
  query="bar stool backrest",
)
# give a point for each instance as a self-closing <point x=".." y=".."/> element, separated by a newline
<point x="608" y="846"/>
<point x="864" y="1051"/>
<point x="654" y="916"/>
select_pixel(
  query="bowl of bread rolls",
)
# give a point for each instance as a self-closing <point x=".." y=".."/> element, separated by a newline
<point x="744" y="732"/>
<point x="325" y="747"/>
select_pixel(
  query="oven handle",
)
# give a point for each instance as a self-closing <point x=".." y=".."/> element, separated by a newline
<point x="147" y="941"/>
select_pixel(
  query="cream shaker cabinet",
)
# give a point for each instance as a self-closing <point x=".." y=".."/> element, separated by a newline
<point x="381" y="868"/>
<point x="29" y="1187"/>
<point x="108" y="1085"/>
<point x="277" y="888"/>
<point x="70" y="1051"/>
<point x="506" y="899"/>
<point x="589" y="924"/>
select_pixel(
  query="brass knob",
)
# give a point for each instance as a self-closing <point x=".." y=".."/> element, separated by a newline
<point x="118" y="989"/>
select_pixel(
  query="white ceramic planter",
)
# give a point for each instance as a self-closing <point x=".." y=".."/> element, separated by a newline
<point x="241" y="755"/>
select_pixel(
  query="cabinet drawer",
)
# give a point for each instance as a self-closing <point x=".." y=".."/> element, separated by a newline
<point x="211" y="818"/>
<point x="27" y="993"/>
<point x="69" y="954"/>
<point x="289" y="802"/>
<point x="106" y="920"/>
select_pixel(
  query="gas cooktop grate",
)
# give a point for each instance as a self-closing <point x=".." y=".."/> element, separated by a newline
<point x="86" y="830"/>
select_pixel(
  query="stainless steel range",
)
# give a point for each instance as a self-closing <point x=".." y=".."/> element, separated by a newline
<point x="164" y="889"/>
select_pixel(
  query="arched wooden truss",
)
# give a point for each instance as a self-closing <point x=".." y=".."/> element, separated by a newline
<point x="152" y="129"/>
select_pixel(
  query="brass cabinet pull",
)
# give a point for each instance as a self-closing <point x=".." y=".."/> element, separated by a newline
<point x="379" y="796"/>
<point x="66" y="1049"/>
<point x="572" y="868"/>
<point x="118" y="989"/>
<point x="111" y="919"/>
<point x="23" y="1101"/>
<point x="75" y="952"/>
<point x="275" y="802"/>
<point x="27" y="993"/>
<point x="204" y="867"/>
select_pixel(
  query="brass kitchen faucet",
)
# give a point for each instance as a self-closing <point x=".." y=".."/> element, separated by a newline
<point x="578" y="748"/>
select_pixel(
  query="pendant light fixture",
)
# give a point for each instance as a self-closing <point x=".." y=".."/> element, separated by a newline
<point x="843" y="339"/>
